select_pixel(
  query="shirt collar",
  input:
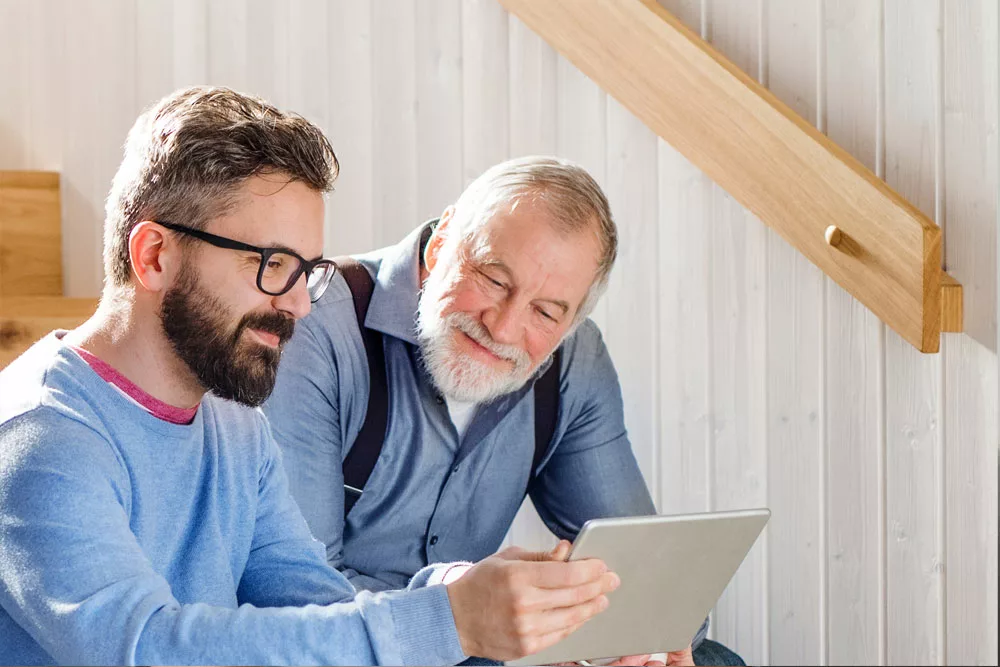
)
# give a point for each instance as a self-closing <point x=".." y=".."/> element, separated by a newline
<point x="393" y="307"/>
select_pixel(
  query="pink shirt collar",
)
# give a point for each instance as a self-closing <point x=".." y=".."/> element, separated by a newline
<point x="154" y="406"/>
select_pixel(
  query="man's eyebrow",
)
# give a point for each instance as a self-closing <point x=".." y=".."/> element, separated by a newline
<point x="500" y="266"/>
<point x="284" y="248"/>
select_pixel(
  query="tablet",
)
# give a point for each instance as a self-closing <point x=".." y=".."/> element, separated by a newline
<point x="673" y="570"/>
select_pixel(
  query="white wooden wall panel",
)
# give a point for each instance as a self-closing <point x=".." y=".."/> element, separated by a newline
<point x="485" y="82"/>
<point x="394" y="107"/>
<point x="632" y="332"/>
<point x="749" y="378"/>
<point x="969" y="175"/>
<point x="228" y="39"/>
<point x="913" y="381"/>
<point x="100" y="107"/>
<point x="352" y="226"/>
<point x="849" y="91"/>
<point x="738" y="334"/>
<point x="438" y="106"/>
<point x="683" y="271"/>
<point x="796" y="366"/>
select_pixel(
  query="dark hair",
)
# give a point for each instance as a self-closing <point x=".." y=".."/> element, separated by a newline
<point x="187" y="155"/>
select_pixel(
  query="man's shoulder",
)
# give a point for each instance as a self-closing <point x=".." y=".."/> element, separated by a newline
<point x="583" y="350"/>
<point x="333" y="316"/>
<point x="39" y="377"/>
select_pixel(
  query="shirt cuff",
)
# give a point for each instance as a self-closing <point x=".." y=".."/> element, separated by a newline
<point x="434" y="574"/>
<point x="448" y="573"/>
<point x="425" y="627"/>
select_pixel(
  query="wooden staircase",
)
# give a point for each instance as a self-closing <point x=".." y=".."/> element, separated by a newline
<point x="31" y="300"/>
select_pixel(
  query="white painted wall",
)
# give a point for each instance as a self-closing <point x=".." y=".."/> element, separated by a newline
<point x="750" y="378"/>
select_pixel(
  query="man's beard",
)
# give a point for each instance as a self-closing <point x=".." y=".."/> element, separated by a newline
<point x="456" y="374"/>
<point x="195" y="323"/>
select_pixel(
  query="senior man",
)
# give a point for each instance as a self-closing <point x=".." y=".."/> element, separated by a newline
<point x="144" y="510"/>
<point x="450" y="374"/>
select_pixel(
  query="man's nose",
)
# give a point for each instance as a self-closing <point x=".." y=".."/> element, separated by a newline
<point x="504" y="324"/>
<point x="296" y="301"/>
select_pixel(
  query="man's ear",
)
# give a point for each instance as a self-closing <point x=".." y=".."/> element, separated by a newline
<point x="437" y="239"/>
<point x="152" y="256"/>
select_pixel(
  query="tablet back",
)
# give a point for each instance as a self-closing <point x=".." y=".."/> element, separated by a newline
<point x="673" y="570"/>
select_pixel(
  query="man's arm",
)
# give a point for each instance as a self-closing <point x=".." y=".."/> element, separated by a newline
<point x="592" y="472"/>
<point x="74" y="577"/>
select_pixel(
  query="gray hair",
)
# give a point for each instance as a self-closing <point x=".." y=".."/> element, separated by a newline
<point x="187" y="155"/>
<point x="571" y="195"/>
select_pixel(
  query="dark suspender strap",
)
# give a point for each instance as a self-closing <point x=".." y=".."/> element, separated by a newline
<point x="367" y="446"/>
<point x="546" y="412"/>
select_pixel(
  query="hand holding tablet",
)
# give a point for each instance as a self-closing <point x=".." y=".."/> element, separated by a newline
<point x="672" y="569"/>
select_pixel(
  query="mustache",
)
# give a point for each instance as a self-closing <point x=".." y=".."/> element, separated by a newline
<point x="280" y="325"/>
<point x="477" y="332"/>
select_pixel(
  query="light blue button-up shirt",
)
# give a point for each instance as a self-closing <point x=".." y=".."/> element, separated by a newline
<point x="432" y="496"/>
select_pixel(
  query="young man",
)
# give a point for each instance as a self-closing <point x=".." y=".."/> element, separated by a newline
<point x="467" y="312"/>
<point x="144" y="510"/>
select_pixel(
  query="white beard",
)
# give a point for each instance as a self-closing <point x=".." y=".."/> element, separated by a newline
<point x="456" y="374"/>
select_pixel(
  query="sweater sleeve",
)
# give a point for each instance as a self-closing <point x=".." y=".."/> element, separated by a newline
<point x="74" y="577"/>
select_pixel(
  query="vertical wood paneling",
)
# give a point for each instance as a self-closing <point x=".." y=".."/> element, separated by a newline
<point x="394" y="149"/>
<point x="350" y="209"/>
<point x="190" y="53"/>
<point x="738" y="335"/>
<point x="633" y="309"/>
<point x="307" y="66"/>
<point x="683" y="274"/>
<point x="795" y="298"/>
<point x="439" y="106"/>
<point x="101" y="106"/>
<point x="13" y="81"/>
<point x="228" y="44"/>
<point x="265" y="59"/>
<point x="485" y="81"/>
<point x="44" y="113"/>
<point x="853" y="398"/>
<point x="969" y="73"/>
<point x="913" y="381"/>
<point x="155" y="29"/>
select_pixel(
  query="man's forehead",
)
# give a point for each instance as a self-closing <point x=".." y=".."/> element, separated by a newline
<point x="275" y="214"/>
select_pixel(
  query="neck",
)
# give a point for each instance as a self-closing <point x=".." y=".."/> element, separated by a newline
<point x="127" y="335"/>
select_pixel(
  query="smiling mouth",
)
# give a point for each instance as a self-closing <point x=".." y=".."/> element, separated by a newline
<point x="266" y="338"/>
<point x="484" y="350"/>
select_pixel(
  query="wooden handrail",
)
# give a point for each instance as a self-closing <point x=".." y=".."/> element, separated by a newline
<point x="884" y="251"/>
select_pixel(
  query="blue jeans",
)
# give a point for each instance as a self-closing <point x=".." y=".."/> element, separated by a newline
<point x="714" y="653"/>
<point x="707" y="653"/>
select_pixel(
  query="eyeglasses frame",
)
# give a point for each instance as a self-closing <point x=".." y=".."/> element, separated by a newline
<point x="305" y="266"/>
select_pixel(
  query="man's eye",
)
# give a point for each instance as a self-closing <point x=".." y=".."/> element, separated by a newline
<point x="546" y="315"/>
<point x="494" y="283"/>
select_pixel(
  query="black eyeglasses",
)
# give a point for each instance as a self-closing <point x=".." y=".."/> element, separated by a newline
<point x="280" y="268"/>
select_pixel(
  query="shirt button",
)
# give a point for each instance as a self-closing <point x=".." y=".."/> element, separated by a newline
<point x="434" y="540"/>
<point x="440" y="399"/>
<point x="454" y="470"/>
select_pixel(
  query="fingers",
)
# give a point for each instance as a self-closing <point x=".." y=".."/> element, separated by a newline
<point x="633" y="660"/>
<point x="557" y="598"/>
<point x="560" y="551"/>
<point x="562" y="575"/>
<point x="554" y="620"/>
<point x="551" y="638"/>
